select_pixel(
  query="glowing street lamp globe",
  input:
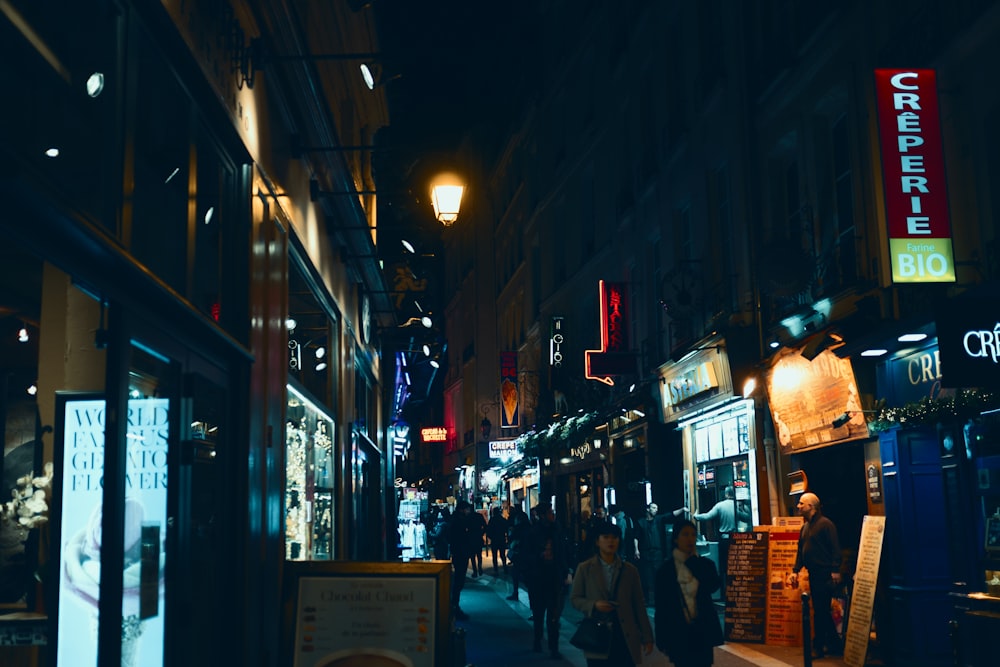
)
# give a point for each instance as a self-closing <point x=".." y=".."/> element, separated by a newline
<point x="446" y="197"/>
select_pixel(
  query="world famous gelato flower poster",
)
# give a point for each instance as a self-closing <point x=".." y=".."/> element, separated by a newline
<point x="82" y="479"/>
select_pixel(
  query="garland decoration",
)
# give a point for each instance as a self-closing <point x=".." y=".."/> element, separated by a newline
<point x="560" y="435"/>
<point x="963" y="405"/>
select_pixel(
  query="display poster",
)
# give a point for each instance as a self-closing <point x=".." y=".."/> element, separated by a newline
<point x="730" y="438"/>
<point x="863" y="593"/>
<point x="347" y="621"/>
<point x="82" y="479"/>
<point x="806" y="397"/>
<point x="714" y="441"/>
<point x="701" y="444"/>
<point x="746" y="586"/>
<point x="784" y="597"/>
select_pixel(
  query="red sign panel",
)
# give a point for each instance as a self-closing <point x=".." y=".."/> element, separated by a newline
<point x="614" y="357"/>
<point x="916" y="196"/>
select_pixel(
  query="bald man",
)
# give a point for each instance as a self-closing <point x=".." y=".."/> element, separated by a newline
<point x="819" y="553"/>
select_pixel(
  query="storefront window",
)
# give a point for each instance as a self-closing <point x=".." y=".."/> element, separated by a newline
<point x="309" y="479"/>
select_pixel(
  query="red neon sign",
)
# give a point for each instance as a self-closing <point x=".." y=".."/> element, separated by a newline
<point x="434" y="434"/>
<point x="614" y="357"/>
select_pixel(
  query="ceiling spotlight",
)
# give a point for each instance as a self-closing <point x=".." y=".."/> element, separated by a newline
<point x="775" y="343"/>
<point x="321" y="366"/>
<point x="427" y="350"/>
<point x="435" y="363"/>
<point x="366" y="74"/>
<point x="912" y="337"/>
<point x="22" y="335"/>
<point x="52" y="152"/>
<point x="426" y="321"/>
<point x="408" y="247"/>
<point x="290" y="324"/>
<point x="320" y="352"/>
<point x="95" y="84"/>
<point x="32" y="390"/>
<point x="209" y="213"/>
<point x="874" y="352"/>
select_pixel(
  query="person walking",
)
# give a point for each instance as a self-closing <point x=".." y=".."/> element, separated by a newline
<point x="629" y="539"/>
<point x="687" y="625"/>
<point x="604" y="585"/>
<point x="463" y="534"/>
<point x="496" y="532"/>
<point x="652" y="537"/>
<point x="517" y="534"/>
<point x="479" y="543"/>
<point x="548" y="575"/>
<point x="819" y="553"/>
<point x="591" y="527"/>
<point x="439" y="535"/>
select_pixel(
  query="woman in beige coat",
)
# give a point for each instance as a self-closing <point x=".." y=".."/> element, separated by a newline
<point x="595" y="578"/>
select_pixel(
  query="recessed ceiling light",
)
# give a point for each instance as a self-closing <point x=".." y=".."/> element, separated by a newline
<point x="911" y="337"/>
<point x="408" y="246"/>
<point x="95" y="84"/>
<point x="366" y="74"/>
<point x="52" y="152"/>
<point x="874" y="352"/>
<point x="209" y="213"/>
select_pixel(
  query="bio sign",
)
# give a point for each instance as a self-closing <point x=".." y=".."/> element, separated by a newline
<point x="916" y="196"/>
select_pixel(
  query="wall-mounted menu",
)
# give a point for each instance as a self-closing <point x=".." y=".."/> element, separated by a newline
<point x="746" y="587"/>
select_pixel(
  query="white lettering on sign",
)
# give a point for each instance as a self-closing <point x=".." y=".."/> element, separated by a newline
<point x="691" y="383"/>
<point x="924" y="368"/>
<point x="503" y="449"/>
<point x="983" y="344"/>
<point x="582" y="451"/>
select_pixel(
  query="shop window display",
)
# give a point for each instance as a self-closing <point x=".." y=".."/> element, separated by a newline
<point x="309" y="479"/>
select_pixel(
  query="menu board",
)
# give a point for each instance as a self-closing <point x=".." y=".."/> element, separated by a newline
<point x="730" y="438"/>
<point x="700" y="445"/>
<point x="863" y="594"/>
<point x="746" y="586"/>
<point x="715" y="441"/>
<point x="784" y="597"/>
<point x="385" y="614"/>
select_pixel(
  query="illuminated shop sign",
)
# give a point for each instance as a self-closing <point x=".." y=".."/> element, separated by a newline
<point x="911" y="377"/>
<point x="556" y="342"/>
<point x="969" y="343"/>
<point x="916" y="196"/>
<point x="614" y="357"/>
<point x="509" y="391"/>
<point x="504" y="449"/>
<point x="434" y="434"/>
<point x="691" y="383"/>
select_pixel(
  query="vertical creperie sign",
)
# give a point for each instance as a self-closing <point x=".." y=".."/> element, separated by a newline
<point x="916" y="197"/>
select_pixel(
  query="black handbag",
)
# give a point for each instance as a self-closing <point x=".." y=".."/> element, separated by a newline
<point x="593" y="635"/>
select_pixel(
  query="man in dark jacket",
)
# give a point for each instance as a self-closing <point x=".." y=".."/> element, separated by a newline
<point x="463" y="533"/>
<point x="819" y="553"/>
<point x="548" y="575"/>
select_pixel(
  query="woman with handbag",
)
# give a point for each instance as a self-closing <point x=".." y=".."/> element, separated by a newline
<point x="687" y="625"/>
<point x="615" y="631"/>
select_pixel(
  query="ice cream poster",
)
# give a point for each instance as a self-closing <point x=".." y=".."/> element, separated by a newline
<point x="509" y="391"/>
<point x="82" y="478"/>
<point x="370" y="621"/>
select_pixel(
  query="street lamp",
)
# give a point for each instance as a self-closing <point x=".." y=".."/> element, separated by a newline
<point x="446" y="197"/>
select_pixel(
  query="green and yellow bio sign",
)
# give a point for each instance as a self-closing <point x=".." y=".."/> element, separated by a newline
<point x="916" y="194"/>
